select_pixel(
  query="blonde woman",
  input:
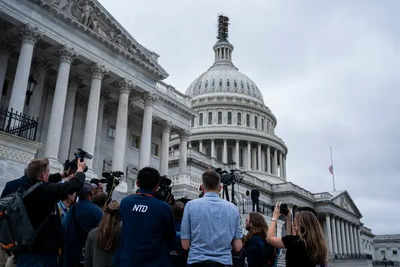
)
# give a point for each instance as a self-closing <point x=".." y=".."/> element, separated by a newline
<point x="306" y="246"/>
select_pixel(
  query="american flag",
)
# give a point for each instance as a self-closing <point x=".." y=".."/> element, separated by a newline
<point x="331" y="169"/>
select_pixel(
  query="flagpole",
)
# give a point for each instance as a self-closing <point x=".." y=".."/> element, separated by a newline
<point x="333" y="170"/>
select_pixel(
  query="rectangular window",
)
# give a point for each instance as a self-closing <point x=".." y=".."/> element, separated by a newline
<point x="209" y="118"/>
<point x="241" y="160"/>
<point x="154" y="149"/>
<point x="394" y="252"/>
<point x="255" y="122"/>
<point x="247" y="120"/>
<point x="239" y="118"/>
<point x="111" y="132"/>
<point x="201" y="119"/>
<point x="262" y="124"/>
<point x="229" y="117"/>
<point x="219" y="117"/>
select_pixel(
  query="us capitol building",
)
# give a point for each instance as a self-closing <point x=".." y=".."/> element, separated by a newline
<point x="72" y="77"/>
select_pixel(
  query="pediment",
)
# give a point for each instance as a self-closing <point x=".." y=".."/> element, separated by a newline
<point x="344" y="201"/>
<point x="92" y="17"/>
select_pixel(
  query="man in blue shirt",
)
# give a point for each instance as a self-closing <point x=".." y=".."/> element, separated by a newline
<point x="211" y="226"/>
<point x="148" y="230"/>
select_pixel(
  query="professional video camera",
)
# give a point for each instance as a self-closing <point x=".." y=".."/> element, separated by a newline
<point x="228" y="178"/>
<point x="112" y="180"/>
<point x="70" y="166"/>
<point x="164" y="193"/>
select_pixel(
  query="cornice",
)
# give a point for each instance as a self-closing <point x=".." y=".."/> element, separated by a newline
<point x="91" y="17"/>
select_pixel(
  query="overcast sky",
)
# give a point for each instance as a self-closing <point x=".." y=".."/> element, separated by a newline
<point x="328" y="70"/>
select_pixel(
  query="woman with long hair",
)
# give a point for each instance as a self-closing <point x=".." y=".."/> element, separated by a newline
<point x="306" y="245"/>
<point x="257" y="251"/>
<point x="103" y="241"/>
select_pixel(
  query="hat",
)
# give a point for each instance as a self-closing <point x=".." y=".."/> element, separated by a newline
<point x="86" y="189"/>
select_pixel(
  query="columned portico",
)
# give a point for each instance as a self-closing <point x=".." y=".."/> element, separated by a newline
<point x="359" y="240"/>
<point x="145" y="144"/>
<point x="89" y="138"/>
<point x="164" y="148"/>
<point x="328" y="233"/>
<point x="334" y="235"/>
<point x="30" y="35"/>
<point x="56" y="117"/>
<point x="268" y="161"/>
<point x="345" y="251"/>
<point x="237" y="154"/>
<point x="347" y="237"/>
<point x="275" y="162"/>
<point x="4" y="56"/>
<point x="259" y="157"/>
<point x="118" y="162"/>
<point x="339" y="237"/>
<point x="248" y="156"/>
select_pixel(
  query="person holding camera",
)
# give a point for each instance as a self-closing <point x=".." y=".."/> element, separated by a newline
<point x="148" y="230"/>
<point x="256" y="249"/>
<point x="306" y="245"/>
<point x="41" y="207"/>
<point x="211" y="226"/>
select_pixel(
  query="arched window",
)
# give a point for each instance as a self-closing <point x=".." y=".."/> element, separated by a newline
<point x="239" y="118"/>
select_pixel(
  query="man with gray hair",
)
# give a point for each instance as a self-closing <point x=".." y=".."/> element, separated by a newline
<point x="211" y="226"/>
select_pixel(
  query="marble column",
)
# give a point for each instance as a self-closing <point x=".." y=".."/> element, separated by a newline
<point x="339" y="237"/>
<point x="213" y="149"/>
<point x="99" y="156"/>
<point x="254" y="158"/>
<point x="68" y="120"/>
<point x="225" y="152"/>
<point x="183" y="153"/>
<point x="30" y="36"/>
<point x="284" y="166"/>
<point x="275" y="162"/>
<point x="355" y="239"/>
<point x="237" y="154"/>
<point x="201" y="146"/>
<point x="344" y="243"/>
<point x="259" y="157"/>
<point x="248" y="155"/>
<point x="58" y="106"/>
<point x="4" y="56"/>
<point x="351" y="241"/>
<point x="89" y="137"/>
<point x="145" y="142"/>
<point x="328" y="233"/>
<point x="121" y="127"/>
<point x="360" y="250"/>
<point x="280" y="164"/>
<point x="268" y="160"/>
<point x="334" y="236"/>
<point x="348" y="238"/>
<point x="164" y="159"/>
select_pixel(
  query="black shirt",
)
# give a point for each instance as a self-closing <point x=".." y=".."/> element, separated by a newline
<point x="296" y="254"/>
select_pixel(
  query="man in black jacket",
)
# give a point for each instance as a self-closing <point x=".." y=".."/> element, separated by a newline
<point x="42" y="211"/>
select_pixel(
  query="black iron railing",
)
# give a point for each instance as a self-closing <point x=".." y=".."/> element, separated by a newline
<point x="19" y="124"/>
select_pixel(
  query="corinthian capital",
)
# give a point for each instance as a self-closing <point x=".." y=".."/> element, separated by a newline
<point x="125" y="84"/>
<point x="66" y="54"/>
<point x="29" y="34"/>
<point x="149" y="99"/>
<point x="98" y="71"/>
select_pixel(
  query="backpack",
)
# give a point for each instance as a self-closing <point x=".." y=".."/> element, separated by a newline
<point x="16" y="230"/>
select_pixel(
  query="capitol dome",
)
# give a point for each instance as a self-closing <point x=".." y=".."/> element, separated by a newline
<point x="224" y="77"/>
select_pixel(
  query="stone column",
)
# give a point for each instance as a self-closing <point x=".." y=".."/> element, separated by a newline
<point x="58" y="106"/>
<point x="348" y="238"/>
<point x="284" y="166"/>
<point x="254" y="158"/>
<point x="259" y="157"/>
<point x="121" y="127"/>
<point x="201" y="146"/>
<point x="281" y="164"/>
<point x="68" y="120"/>
<point x="345" y="252"/>
<point x="275" y="162"/>
<point x="334" y="236"/>
<point x="353" y="239"/>
<point x="328" y="233"/>
<point x="89" y="137"/>
<point x="237" y="154"/>
<point x="164" y="159"/>
<point x="4" y="56"/>
<point x="183" y="153"/>
<point x="42" y="66"/>
<point x="29" y="37"/>
<point x="98" y="158"/>
<point x="225" y="152"/>
<point x="268" y="160"/>
<point x="360" y="251"/>
<point x="248" y="155"/>
<point x="339" y="237"/>
<point x="356" y="240"/>
<point x="213" y="149"/>
<point x="145" y="142"/>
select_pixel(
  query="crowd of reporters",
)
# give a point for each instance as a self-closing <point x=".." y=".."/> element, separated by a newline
<point x="78" y="224"/>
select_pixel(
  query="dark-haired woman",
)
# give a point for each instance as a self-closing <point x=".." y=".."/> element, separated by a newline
<point x="257" y="251"/>
<point x="306" y="246"/>
<point x="103" y="241"/>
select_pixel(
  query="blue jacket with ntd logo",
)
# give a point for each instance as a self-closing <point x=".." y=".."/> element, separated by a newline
<point x="148" y="232"/>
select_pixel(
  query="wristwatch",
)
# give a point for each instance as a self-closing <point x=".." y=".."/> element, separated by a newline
<point x="274" y="220"/>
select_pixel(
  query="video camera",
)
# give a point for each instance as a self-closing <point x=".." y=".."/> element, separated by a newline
<point x="229" y="178"/>
<point x="164" y="193"/>
<point x="111" y="179"/>
<point x="70" y="166"/>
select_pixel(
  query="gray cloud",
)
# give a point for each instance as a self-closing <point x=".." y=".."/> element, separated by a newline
<point x="327" y="69"/>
